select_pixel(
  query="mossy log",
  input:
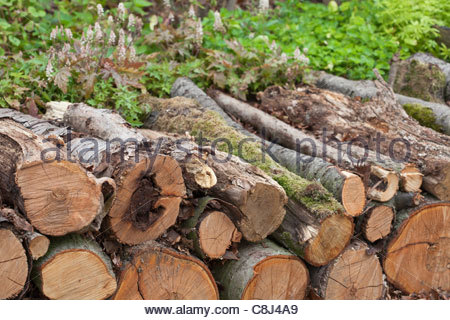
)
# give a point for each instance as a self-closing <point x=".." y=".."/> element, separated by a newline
<point x="155" y="272"/>
<point x="343" y="154"/>
<point x="57" y="195"/>
<point x="74" y="268"/>
<point x="394" y="134"/>
<point x="201" y="172"/>
<point x="14" y="265"/>
<point x="180" y="115"/>
<point x="417" y="256"/>
<point x="258" y="197"/>
<point x="264" y="271"/>
<point x="346" y="187"/>
<point x="354" y="275"/>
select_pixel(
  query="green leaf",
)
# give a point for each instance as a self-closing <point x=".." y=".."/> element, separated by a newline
<point x="14" y="41"/>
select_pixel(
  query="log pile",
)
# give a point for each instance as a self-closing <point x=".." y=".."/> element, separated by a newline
<point x="91" y="208"/>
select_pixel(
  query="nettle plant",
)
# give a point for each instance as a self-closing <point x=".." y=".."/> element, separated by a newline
<point x="102" y="65"/>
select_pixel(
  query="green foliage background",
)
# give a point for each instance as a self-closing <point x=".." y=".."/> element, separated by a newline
<point x="348" y="40"/>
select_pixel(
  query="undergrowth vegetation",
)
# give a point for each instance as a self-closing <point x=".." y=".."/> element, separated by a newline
<point x="108" y="57"/>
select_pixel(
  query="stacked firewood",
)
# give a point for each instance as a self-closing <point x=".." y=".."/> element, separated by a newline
<point x="92" y="208"/>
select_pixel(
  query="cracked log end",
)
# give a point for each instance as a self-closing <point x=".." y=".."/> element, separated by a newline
<point x="216" y="233"/>
<point x="353" y="194"/>
<point x="410" y="179"/>
<point x="386" y="184"/>
<point x="334" y="234"/>
<point x="354" y="275"/>
<point x="378" y="223"/>
<point x="148" y="200"/>
<point x="59" y="197"/>
<point x="163" y="274"/>
<point x="418" y="257"/>
<point x="13" y="265"/>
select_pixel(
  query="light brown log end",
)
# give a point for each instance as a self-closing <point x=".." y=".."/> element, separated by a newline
<point x="386" y="185"/>
<point x="59" y="196"/>
<point x="289" y="279"/>
<point x="334" y="234"/>
<point x="37" y="244"/>
<point x="411" y="178"/>
<point x="417" y="258"/>
<point x="378" y="223"/>
<point x="439" y="186"/>
<point x="76" y="274"/>
<point x="216" y="232"/>
<point x="148" y="200"/>
<point x="13" y="265"/>
<point x="163" y="274"/>
<point x="353" y="194"/>
<point x="354" y="275"/>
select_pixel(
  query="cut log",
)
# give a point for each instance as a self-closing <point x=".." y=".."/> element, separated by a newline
<point x="410" y="178"/>
<point x="354" y="275"/>
<point x="367" y="89"/>
<point x="180" y="115"/>
<point x="212" y="231"/>
<point x="417" y="257"/>
<point x="74" y="268"/>
<point x="348" y="121"/>
<point x="263" y="272"/>
<point x="149" y="189"/>
<point x="38" y="244"/>
<point x="316" y="238"/>
<point x="159" y="273"/>
<point x="377" y="222"/>
<point x="258" y="197"/>
<point x="57" y="197"/>
<point x="13" y="264"/>
<point x="385" y="186"/>
<point x="303" y="142"/>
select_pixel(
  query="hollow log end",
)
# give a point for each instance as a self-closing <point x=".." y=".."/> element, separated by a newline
<point x="59" y="197"/>
<point x="417" y="258"/>
<point x="387" y="185"/>
<point x="334" y="234"/>
<point x="147" y="200"/>
<point x="163" y="274"/>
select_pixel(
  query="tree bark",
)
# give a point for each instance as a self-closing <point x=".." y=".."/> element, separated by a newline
<point x="345" y="186"/>
<point x="353" y="275"/>
<point x="56" y="195"/>
<point x="258" y="197"/>
<point x="367" y="89"/>
<point x="180" y="115"/>
<point x="263" y="272"/>
<point x="74" y="268"/>
<point x="155" y="272"/>
<point x="417" y="256"/>
<point x="402" y="138"/>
